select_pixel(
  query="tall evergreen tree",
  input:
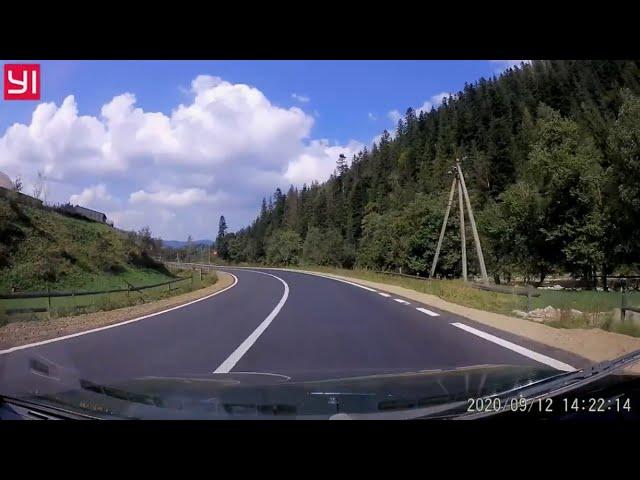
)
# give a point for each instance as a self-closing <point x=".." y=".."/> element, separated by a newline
<point x="341" y="164"/>
<point x="222" y="244"/>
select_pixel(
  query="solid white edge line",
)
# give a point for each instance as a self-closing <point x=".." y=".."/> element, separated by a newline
<point x="238" y="353"/>
<point x="106" y="327"/>
<point x="399" y="300"/>
<point x="428" y="312"/>
<point x="538" y="357"/>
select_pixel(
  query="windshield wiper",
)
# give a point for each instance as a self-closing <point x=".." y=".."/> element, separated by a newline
<point x="558" y="384"/>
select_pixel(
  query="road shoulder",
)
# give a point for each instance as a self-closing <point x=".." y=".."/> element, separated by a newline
<point x="26" y="332"/>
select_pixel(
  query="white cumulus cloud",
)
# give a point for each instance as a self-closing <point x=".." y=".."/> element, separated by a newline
<point x="184" y="198"/>
<point x="95" y="196"/>
<point x="219" y="152"/>
<point x="319" y="161"/>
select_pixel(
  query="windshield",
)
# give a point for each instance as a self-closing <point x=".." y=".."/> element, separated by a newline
<point x="199" y="239"/>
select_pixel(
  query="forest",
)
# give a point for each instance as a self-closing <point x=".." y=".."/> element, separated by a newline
<point x="551" y="156"/>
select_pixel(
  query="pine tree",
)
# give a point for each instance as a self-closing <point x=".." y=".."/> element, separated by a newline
<point x="341" y="165"/>
<point x="222" y="244"/>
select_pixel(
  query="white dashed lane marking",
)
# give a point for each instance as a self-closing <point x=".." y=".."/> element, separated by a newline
<point x="384" y="294"/>
<point x="399" y="300"/>
<point x="428" y="312"/>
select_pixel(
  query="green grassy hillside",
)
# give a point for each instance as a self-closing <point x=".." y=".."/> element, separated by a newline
<point x="41" y="248"/>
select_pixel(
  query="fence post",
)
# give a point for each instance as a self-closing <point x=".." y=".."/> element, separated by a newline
<point x="528" y="298"/>
<point x="623" y="304"/>
<point x="49" y="301"/>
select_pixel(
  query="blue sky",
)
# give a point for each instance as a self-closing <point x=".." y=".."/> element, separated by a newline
<point x="145" y="163"/>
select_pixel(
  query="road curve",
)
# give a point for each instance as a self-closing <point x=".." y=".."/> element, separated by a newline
<point x="301" y="325"/>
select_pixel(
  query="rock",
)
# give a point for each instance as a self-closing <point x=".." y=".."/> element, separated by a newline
<point x="544" y="314"/>
<point x="541" y="314"/>
<point x="558" y="287"/>
<point x="548" y="311"/>
<point x="537" y="319"/>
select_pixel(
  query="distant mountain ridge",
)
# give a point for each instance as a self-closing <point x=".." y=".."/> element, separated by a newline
<point x="182" y="244"/>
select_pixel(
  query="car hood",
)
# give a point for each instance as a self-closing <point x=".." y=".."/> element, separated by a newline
<point x="249" y="395"/>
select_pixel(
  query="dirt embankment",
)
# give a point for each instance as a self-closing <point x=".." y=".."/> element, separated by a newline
<point x="21" y="333"/>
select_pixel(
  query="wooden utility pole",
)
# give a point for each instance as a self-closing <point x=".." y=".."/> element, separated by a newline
<point x="444" y="226"/>
<point x="476" y="237"/>
<point x="463" y="238"/>
<point x="463" y="197"/>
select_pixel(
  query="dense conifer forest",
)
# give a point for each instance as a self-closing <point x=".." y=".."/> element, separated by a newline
<point x="551" y="156"/>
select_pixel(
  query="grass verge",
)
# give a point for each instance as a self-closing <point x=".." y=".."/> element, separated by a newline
<point x="77" y="305"/>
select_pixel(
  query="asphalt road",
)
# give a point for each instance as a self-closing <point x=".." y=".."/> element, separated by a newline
<point x="273" y="321"/>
